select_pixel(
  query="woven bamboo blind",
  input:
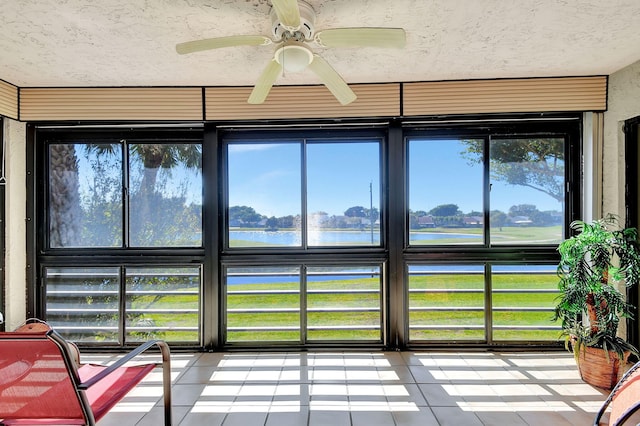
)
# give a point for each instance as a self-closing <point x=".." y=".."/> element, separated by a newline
<point x="230" y="103"/>
<point x="111" y="104"/>
<point x="8" y="100"/>
<point x="509" y="95"/>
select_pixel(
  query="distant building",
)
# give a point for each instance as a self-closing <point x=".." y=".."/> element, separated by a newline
<point x="426" y="222"/>
<point x="521" y="220"/>
<point x="472" y="221"/>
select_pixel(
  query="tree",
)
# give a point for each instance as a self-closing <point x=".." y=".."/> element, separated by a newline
<point x="541" y="218"/>
<point x="372" y="214"/>
<point x="244" y="215"/>
<point x="534" y="163"/>
<point x="523" y="210"/>
<point x="154" y="157"/>
<point x="445" y="210"/>
<point x="286" y="221"/>
<point x="357" y="211"/>
<point x="272" y="223"/>
<point x="146" y="194"/>
<point x="64" y="195"/>
<point x="164" y="156"/>
<point x="497" y="219"/>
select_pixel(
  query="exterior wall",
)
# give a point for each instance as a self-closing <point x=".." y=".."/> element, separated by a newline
<point x="16" y="196"/>
<point x="623" y="103"/>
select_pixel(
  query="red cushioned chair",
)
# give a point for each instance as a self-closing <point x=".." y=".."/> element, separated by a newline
<point x="41" y="382"/>
<point x="624" y="399"/>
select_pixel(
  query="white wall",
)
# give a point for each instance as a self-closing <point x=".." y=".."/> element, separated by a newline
<point x="15" y="243"/>
<point x="623" y="104"/>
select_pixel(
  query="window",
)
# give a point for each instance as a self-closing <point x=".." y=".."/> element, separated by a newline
<point x="353" y="235"/>
<point x="265" y="204"/>
<point x="303" y="304"/>
<point x="446" y="302"/>
<point x="85" y="195"/>
<point x="474" y="194"/>
<point x="522" y="302"/>
<point x="527" y="190"/>
<point x="124" y="251"/>
<point x="450" y="302"/>
<point x="303" y="193"/>
<point x="307" y="195"/>
<point x="521" y="201"/>
<point x="89" y="197"/>
<point x="445" y="192"/>
<point x="86" y="304"/>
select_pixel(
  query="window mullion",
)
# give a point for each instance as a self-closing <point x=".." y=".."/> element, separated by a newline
<point x="303" y="212"/>
<point x="122" y="322"/>
<point x="125" y="194"/>
<point x="486" y="164"/>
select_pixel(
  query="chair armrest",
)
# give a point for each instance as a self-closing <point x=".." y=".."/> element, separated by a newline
<point x="629" y="376"/>
<point x="84" y="386"/>
<point x="164" y="350"/>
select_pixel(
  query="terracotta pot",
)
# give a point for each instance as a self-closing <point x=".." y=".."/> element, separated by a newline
<point x="596" y="370"/>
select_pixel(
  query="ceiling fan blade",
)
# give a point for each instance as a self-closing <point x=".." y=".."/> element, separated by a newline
<point x="288" y="13"/>
<point x="332" y="80"/>
<point x="361" y="37"/>
<point x="219" y="42"/>
<point x="265" y="82"/>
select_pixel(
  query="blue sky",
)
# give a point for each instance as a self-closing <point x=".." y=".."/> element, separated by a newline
<point x="267" y="178"/>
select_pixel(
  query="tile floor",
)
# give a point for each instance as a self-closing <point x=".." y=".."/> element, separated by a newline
<point x="364" y="388"/>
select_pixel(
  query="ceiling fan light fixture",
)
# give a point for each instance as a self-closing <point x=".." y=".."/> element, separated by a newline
<point x="294" y="57"/>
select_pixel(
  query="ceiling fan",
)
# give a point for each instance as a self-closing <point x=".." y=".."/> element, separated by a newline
<point x="293" y="31"/>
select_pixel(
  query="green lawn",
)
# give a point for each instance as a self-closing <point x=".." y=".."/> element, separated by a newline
<point x="264" y="311"/>
<point x="507" y="235"/>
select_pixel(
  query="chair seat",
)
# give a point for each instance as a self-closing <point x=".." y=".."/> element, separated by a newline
<point x="107" y="392"/>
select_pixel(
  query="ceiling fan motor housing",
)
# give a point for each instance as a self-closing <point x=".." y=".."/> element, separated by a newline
<point x="301" y="34"/>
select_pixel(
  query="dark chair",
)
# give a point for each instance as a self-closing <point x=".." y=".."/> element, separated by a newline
<point x="41" y="382"/>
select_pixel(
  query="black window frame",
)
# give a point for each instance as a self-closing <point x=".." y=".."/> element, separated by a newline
<point x="394" y="253"/>
<point x="40" y="137"/>
<point x="296" y="136"/>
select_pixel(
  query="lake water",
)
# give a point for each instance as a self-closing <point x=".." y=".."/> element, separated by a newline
<point x="328" y="238"/>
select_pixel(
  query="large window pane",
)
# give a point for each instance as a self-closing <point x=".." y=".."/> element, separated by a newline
<point x="344" y="303"/>
<point x="162" y="303"/>
<point x="343" y="196"/>
<point x="446" y="302"/>
<point x="85" y="195"/>
<point x="445" y="192"/>
<point x="527" y="190"/>
<point x="264" y="194"/>
<point x="523" y="300"/>
<point x="83" y="304"/>
<point x="165" y="194"/>
<point x="263" y="304"/>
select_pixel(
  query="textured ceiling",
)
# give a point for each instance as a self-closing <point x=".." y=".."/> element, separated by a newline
<point x="57" y="43"/>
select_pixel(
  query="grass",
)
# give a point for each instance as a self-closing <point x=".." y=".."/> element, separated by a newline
<point x="261" y="310"/>
<point x="507" y="235"/>
<point x="551" y="235"/>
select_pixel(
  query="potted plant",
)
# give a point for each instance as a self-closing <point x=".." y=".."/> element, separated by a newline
<point x="595" y="263"/>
